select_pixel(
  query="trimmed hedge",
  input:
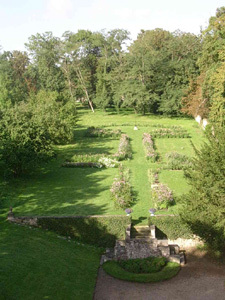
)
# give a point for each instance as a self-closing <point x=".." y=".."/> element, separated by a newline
<point x="172" y="227"/>
<point x="114" y="269"/>
<point x="97" y="230"/>
<point x="143" y="265"/>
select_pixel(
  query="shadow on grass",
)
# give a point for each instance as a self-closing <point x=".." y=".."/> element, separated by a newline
<point x="138" y="221"/>
<point x="59" y="191"/>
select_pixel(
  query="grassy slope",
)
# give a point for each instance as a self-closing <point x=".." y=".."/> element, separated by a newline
<point x="38" y="265"/>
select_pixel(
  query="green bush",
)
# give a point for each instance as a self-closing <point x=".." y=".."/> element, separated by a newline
<point x="98" y="231"/>
<point x="172" y="227"/>
<point x="145" y="265"/>
<point x="114" y="269"/>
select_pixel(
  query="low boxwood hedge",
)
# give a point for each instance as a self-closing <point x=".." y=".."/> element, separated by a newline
<point x="172" y="227"/>
<point x="100" y="231"/>
<point x="143" y="265"/>
<point x="114" y="269"/>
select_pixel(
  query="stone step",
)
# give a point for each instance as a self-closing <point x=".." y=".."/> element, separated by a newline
<point x="178" y="258"/>
<point x="175" y="258"/>
<point x="140" y="231"/>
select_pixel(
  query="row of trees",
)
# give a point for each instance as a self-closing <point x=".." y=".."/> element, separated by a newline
<point x="92" y="66"/>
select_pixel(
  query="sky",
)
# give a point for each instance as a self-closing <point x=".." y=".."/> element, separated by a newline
<point x="19" y="19"/>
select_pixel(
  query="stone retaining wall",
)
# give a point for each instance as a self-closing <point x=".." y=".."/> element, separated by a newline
<point x="187" y="243"/>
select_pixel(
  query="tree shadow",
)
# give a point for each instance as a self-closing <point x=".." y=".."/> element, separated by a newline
<point x="138" y="221"/>
<point x="62" y="191"/>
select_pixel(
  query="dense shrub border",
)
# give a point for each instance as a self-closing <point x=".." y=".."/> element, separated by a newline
<point x="113" y="268"/>
<point x="173" y="227"/>
<point x="100" y="231"/>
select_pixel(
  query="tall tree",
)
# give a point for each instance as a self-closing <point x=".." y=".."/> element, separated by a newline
<point x="15" y="80"/>
<point x="111" y="55"/>
<point x="44" y="50"/>
<point x="210" y="92"/>
<point x="204" y="207"/>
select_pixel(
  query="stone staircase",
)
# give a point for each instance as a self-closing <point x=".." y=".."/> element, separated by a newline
<point x="141" y="242"/>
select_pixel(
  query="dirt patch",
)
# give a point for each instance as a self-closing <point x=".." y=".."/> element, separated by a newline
<point x="202" y="278"/>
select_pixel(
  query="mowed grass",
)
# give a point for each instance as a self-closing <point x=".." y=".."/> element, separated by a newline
<point x="54" y="190"/>
<point x="37" y="265"/>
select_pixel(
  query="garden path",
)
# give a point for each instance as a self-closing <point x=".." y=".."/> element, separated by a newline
<point x="139" y="175"/>
<point x="200" y="279"/>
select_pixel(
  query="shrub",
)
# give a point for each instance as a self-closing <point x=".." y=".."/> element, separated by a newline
<point x="100" y="132"/>
<point x="121" y="192"/>
<point x="145" y="265"/>
<point x="114" y="269"/>
<point x="149" y="147"/>
<point x="100" y="231"/>
<point x="124" y="150"/>
<point x="172" y="227"/>
<point x="177" y="161"/>
<point x="162" y="196"/>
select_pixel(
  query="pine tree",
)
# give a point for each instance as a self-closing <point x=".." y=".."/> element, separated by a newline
<point x="204" y="206"/>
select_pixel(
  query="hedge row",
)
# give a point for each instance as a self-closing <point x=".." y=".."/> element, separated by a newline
<point x="172" y="227"/>
<point x="99" y="231"/>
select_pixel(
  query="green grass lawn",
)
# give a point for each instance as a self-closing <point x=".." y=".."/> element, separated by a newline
<point x="37" y="265"/>
<point x="54" y="190"/>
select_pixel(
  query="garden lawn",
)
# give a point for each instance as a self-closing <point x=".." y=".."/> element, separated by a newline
<point x="54" y="190"/>
<point x="37" y="265"/>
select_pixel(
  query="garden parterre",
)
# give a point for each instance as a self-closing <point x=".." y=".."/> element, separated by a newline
<point x="58" y="191"/>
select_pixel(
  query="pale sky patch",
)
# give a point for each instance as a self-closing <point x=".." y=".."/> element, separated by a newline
<point x="21" y="19"/>
<point x="59" y="8"/>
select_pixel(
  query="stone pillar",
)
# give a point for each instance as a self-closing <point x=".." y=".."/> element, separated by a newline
<point x="152" y="230"/>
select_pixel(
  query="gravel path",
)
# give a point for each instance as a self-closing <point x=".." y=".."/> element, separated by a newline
<point x="200" y="279"/>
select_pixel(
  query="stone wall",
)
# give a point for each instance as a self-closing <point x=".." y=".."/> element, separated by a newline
<point x="187" y="243"/>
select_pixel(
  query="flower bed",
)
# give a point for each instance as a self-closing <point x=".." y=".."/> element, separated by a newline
<point x="162" y="196"/>
<point x="102" y="132"/>
<point x="93" y="161"/>
<point x="121" y="192"/>
<point x="148" y="143"/>
<point x="124" y="150"/>
<point x="177" y="161"/>
<point x="177" y="132"/>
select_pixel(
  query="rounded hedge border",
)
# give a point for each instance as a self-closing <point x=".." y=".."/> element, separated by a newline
<point x="113" y="268"/>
